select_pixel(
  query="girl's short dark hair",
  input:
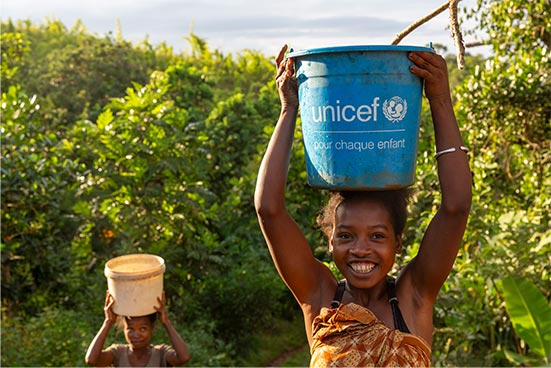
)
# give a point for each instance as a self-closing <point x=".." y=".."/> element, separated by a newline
<point x="395" y="201"/>
<point x="152" y="318"/>
<point x="122" y="320"/>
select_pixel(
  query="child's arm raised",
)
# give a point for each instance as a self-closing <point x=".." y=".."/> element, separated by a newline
<point x="180" y="355"/>
<point x="95" y="356"/>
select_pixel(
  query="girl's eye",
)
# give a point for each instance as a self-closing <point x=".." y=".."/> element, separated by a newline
<point x="378" y="236"/>
<point x="344" y="236"/>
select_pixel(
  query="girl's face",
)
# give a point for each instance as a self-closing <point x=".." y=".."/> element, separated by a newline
<point x="363" y="243"/>
<point x="137" y="331"/>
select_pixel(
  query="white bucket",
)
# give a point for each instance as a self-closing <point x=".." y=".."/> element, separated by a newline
<point x="135" y="281"/>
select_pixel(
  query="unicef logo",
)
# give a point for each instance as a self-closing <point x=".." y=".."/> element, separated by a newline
<point x="395" y="108"/>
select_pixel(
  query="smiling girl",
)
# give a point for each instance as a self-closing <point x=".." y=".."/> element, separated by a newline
<point x="369" y="318"/>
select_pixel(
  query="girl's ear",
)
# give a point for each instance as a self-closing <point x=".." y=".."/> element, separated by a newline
<point x="331" y="246"/>
<point x="398" y="244"/>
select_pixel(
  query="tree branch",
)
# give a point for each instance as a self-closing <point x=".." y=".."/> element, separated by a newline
<point x="456" y="34"/>
<point x="477" y="43"/>
<point x="451" y="5"/>
<point x="416" y="24"/>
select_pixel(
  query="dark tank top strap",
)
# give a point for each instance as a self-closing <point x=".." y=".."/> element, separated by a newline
<point x="399" y="322"/>
<point x="339" y="292"/>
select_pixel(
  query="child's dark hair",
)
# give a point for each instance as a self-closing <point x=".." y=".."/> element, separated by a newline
<point x="395" y="201"/>
<point x="152" y="318"/>
<point x="122" y="320"/>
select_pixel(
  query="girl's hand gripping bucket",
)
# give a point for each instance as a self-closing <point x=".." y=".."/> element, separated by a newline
<point x="360" y="108"/>
<point x="135" y="281"/>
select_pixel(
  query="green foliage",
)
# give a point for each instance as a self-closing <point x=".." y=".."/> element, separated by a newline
<point x="228" y="142"/>
<point x="14" y="47"/>
<point x="530" y="314"/>
<point x="243" y="300"/>
<point x="143" y="186"/>
<point x="514" y="26"/>
<point x="60" y="62"/>
<point x="37" y="221"/>
<point x="53" y="338"/>
<point x="190" y="89"/>
<point x="244" y="73"/>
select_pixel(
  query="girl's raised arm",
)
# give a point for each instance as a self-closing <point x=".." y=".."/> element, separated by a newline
<point x="290" y="251"/>
<point x="443" y="237"/>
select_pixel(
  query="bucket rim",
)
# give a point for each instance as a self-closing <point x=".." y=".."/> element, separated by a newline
<point x="358" y="48"/>
<point x="153" y="271"/>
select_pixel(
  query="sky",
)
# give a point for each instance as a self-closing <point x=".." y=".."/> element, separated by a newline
<point x="261" y="25"/>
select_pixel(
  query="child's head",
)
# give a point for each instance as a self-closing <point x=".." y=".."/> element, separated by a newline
<point x="395" y="202"/>
<point x="138" y="330"/>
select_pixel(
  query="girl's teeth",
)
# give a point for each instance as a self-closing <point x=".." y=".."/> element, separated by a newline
<point x="362" y="267"/>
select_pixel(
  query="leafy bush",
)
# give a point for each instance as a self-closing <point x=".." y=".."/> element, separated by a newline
<point x="53" y="338"/>
<point x="37" y="220"/>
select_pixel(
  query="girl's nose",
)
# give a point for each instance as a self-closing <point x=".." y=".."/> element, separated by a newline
<point x="361" y="248"/>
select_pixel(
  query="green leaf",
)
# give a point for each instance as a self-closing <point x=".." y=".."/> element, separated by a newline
<point x="530" y="314"/>
<point x="83" y="208"/>
<point x="105" y="119"/>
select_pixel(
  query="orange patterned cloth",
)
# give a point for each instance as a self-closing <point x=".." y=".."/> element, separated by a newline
<point x="351" y="336"/>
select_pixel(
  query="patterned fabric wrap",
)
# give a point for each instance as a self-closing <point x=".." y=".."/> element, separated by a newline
<point x="351" y="336"/>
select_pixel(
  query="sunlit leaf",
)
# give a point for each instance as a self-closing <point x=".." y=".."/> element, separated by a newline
<point x="530" y="314"/>
<point x="105" y="119"/>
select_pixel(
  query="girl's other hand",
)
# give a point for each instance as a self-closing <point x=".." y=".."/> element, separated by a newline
<point x="163" y="315"/>
<point x="433" y="69"/>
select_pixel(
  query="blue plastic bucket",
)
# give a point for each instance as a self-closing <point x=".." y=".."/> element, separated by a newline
<point x="360" y="108"/>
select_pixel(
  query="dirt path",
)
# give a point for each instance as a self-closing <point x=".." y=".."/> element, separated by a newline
<point x="283" y="357"/>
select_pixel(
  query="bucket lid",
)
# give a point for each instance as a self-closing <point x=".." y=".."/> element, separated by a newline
<point x="360" y="48"/>
<point x="134" y="266"/>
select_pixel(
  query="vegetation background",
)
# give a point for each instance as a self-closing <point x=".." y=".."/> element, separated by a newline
<point x="110" y="148"/>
